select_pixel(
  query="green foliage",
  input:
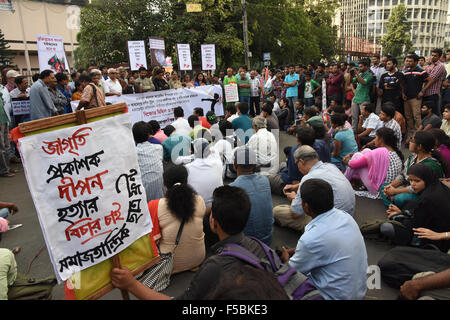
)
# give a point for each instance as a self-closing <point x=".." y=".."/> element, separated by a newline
<point x="5" y="55"/>
<point x="304" y="29"/>
<point x="397" y="39"/>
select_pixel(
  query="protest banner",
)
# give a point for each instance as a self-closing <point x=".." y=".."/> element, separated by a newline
<point x="20" y="107"/>
<point x="184" y="56"/>
<point x="105" y="214"/>
<point x="157" y="51"/>
<point x="51" y="53"/>
<point x="136" y="53"/>
<point x="231" y="92"/>
<point x="159" y="105"/>
<point x="208" y="56"/>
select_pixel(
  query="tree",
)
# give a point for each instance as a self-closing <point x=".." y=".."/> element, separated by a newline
<point x="397" y="39"/>
<point x="5" y="54"/>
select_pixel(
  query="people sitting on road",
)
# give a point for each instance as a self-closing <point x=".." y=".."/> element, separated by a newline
<point x="431" y="210"/>
<point x="308" y="163"/>
<point x="443" y="146"/>
<point x="368" y="124"/>
<point x="378" y="167"/>
<point x="180" y="124"/>
<point x="224" y="147"/>
<point x="150" y="157"/>
<point x="242" y="125"/>
<point x="265" y="146"/>
<point x="344" y="142"/>
<point x="331" y="251"/>
<point x="422" y="151"/>
<point x="181" y="204"/>
<point x="176" y="144"/>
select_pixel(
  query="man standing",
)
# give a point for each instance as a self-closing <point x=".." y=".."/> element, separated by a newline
<point x="255" y="93"/>
<point x="159" y="81"/>
<point x="5" y="119"/>
<point x="390" y="87"/>
<point x="92" y="96"/>
<point x="10" y="80"/>
<point x="244" y="86"/>
<point x="364" y="80"/>
<point x="335" y="82"/>
<point x="436" y="71"/>
<point x="112" y="86"/>
<point x="22" y="89"/>
<point x="414" y="90"/>
<point x="421" y="62"/>
<point x="41" y="104"/>
<point x="291" y="83"/>
<point x="378" y="70"/>
<point x="319" y="76"/>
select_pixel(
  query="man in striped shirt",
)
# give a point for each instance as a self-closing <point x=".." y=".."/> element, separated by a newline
<point x="436" y="70"/>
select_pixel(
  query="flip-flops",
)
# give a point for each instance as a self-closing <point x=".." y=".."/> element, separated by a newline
<point x="7" y="175"/>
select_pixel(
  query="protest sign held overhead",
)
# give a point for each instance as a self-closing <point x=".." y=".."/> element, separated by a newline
<point x="51" y="53"/>
<point x="136" y="52"/>
<point x="208" y="56"/>
<point x="157" y="51"/>
<point x="184" y="56"/>
<point x="88" y="192"/>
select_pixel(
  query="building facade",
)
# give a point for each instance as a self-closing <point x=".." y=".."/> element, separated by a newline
<point x="367" y="19"/>
<point x="27" y="18"/>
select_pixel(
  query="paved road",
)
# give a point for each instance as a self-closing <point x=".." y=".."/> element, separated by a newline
<point x="30" y="237"/>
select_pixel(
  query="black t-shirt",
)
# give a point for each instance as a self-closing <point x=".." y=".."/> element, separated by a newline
<point x="391" y="85"/>
<point x="160" y="84"/>
<point x="209" y="274"/>
<point x="414" y="80"/>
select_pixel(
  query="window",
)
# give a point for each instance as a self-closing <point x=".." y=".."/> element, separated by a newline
<point x="394" y="2"/>
<point x="416" y="2"/>
<point x="409" y="2"/>
<point x="423" y="14"/>
<point x="372" y="3"/>
<point x="386" y="14"/>
<point x="380" y="3"/>
<point x="387" y="2"/>
<point x="416" y="13"/>
<point x="429" y="14"/>
<point x="409" y="14"/>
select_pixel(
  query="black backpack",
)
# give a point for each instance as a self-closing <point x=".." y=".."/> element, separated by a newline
<point x="296" y="284"/>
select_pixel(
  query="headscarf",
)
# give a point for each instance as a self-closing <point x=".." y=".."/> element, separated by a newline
<point x="428" y="175"/>
<point x="378" y="164"/>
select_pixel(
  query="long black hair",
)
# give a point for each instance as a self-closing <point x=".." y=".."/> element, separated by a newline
<point x="427" y="141"/>
<point x="390" y="139"/>
<point x="180" y="196"/>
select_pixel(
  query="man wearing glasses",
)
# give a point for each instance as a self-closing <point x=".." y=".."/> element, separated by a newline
<point x="112" y="85"/>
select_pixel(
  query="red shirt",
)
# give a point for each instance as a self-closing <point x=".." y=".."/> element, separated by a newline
<point x="204" y="122"/>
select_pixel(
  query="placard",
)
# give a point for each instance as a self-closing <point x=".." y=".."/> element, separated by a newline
<point x="157" y="51"/>
<point x="208" y="57"/>
<point x="87" y="191"/>
<point x="184" y="56"/>
<point x="231" y="93"/>
<point x="136" y="53"/>
<point x="51" y="53"/>
<point x="20" y="107"/>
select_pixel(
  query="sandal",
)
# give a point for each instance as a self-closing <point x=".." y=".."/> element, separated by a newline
<point x="13" y="170"/>
<point x="16" y="250"/>
<point x="8" y="175"/>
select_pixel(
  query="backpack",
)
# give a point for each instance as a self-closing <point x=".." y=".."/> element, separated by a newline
<point x="296" y="284"/>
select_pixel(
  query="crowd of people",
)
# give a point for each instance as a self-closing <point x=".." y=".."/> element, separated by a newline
<point x="213" y="177"/>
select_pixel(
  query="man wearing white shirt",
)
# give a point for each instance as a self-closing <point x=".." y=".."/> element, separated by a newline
<point x="368" y="124"/>
<point x="264" y="144"/>
<point x="112" y="86"/>
<point x="205" y="172"/>
<point x="255" y="92"/>
<point x="22" y="89"/>
<point x="180" y="124"/>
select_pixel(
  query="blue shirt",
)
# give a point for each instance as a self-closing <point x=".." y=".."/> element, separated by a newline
<point x="291" y="172"/>
<point x="178" y="144"/>
<point x="332" y="253"/>
<point x="322" y="150"/>
<point x="344" y="195"/>
<point x="154" y="140"/>
<point x="292" y="91"/>
<point x="244" y="123"/>
<point x="260" y="220"/>
<point x="348" y="143"/>
<point x="41" y="104"/>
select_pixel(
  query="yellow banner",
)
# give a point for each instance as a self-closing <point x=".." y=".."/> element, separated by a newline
<point x="193" y="7"/>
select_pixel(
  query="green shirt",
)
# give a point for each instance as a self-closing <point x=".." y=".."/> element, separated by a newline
<point x="228" y="80"/>
<point x="243" y="92"/>
<point x="362" y="93"/>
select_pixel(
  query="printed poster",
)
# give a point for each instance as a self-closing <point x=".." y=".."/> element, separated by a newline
<point x="231" y="92"/>
<point x="208" y="57"/>
<point x="184" y="56"/>
<point x="157" y="51"/>
<point x="136" y="53"/>
<point x="51" y="53"/>
<point x="88" y="192"/>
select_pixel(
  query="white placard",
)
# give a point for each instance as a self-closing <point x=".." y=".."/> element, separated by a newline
<point x="136" y="52"/>
<point x="208" y="57"/>
<point x="51" y="53"/>
<point x="159" y="105"/>
<point x="184" y="56"/>
<point x="157" y="43"/>
<point x="87" y="189"/>
<point x="20" y="107"/>
<point x="231" y="92"/>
